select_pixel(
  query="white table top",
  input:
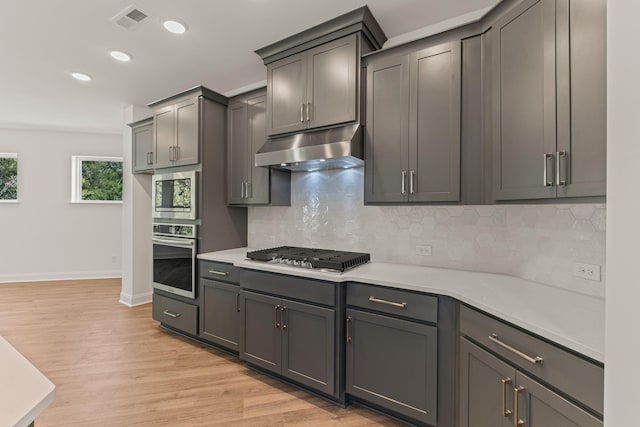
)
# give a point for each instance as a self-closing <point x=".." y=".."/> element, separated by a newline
<point x="573" y="320"/>
<point x="24" y="391"/>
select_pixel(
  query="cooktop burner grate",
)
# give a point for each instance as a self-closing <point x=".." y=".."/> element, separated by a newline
<point x="311" y="258"/>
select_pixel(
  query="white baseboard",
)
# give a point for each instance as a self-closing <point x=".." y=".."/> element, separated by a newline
<point x="68" y="275"/>
<point x="133" y="300"/>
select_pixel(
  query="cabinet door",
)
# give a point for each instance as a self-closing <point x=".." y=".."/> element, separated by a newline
<point x="332" y="82"/>
<point x="258" y="177"/>
<point x="582" y="97"/>
<point x="187" y="135"/>
<point x="524" y="93"/>
<point x="393" y="363"/>
<point x="540" y="407"/>
<point x="286" y="94"/>
<point x="237" y="152"/>
<point x="434" y="124"/>
<point x="308" y="353"/>
<point x="165" y="134"/>
<point x="486" y="388"/>
<point x="142" y="141"/>
<point x="261" y="323"/>
<point x="220" y="313"/>
<point x="387" y="131"/>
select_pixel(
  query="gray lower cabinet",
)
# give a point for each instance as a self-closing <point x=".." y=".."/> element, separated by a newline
<point x="495" y="394"/>
<point x="510" y="377"/>
<point x="220" y="313"/>
<point x="292" y="339"/>
<point x="142" y="146"/>
<point x="175" y="313"/>
<point x="548" y="90"/>
<point x="412" y="142"/>
<point x="392" y="363"/>
<point x="314" y="88"/>
<point x="248" y="184"/>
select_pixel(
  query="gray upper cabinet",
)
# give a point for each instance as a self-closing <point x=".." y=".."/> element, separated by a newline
<point x="176" y="134"/>
<point x="412" y="151"/>
<point x="142" y="146"/>
<point x="313" y="88"/>
<point x="548" y="90"/>
<point x="248" y="184"/>
<point x="181" y="124"/>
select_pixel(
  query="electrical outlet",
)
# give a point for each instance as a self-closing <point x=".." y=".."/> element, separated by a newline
<point x="587" y="271"/>
<point x="423" y="250"/>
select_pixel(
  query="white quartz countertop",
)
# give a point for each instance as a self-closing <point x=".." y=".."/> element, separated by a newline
<point x="573" y="320"/>
<point x="24" y="391"/>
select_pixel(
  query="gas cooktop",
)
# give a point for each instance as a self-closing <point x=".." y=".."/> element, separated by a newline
<point x="311" y="258"/>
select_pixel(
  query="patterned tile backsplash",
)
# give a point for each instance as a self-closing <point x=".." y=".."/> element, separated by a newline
<point x="535" y="242"/>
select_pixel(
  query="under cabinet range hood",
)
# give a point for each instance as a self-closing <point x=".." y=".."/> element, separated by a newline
<point x="340" y="147"/>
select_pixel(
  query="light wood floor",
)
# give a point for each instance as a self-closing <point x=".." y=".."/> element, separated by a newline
<point x="113" y="366"/>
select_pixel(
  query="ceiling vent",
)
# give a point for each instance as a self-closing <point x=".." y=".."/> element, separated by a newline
<point x="130" y="18"/>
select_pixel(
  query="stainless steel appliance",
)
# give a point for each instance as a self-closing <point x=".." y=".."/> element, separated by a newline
<point x="326" y="259"/>
<point x="174" y="195"/>
<point x="174" y="258"/>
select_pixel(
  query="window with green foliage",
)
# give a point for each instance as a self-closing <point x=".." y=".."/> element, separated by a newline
<point x="8" y="177"/>
<point x="96" y="179"/>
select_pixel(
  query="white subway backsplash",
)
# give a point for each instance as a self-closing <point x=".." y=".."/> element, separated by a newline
<point x="534" y="242"/>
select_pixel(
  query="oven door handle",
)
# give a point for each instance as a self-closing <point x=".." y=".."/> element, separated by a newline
<point x="182" y="243"/>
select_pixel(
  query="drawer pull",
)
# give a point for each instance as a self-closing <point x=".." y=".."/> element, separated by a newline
<point x="517" y="422"/>
<point x="382" y="301"/>
<point x="537" y="360"/>
<point x="219" y="273"/>
<point x="171" y="314"/>
<point x="505" y="412"/>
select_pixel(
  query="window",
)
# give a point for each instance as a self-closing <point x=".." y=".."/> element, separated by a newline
<point x="8" y="177"/>
<point x="96" y="179"/>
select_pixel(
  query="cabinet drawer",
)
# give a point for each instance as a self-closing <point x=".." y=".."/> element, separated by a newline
<point x="569" y="373"/>
<point x="393" y="301"/>
<point x="297" y="288"/>
<point x="176" y="314"/>
<point x="218" y="271"/>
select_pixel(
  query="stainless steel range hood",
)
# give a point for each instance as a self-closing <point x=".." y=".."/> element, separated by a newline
<point x="340" y="147"/>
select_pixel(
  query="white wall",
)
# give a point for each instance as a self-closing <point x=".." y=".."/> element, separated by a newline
<point x="622" y="341"/>
<point x="534" y="242"/>
<point x="44" y="237"/>
<point x="136" y="222"/>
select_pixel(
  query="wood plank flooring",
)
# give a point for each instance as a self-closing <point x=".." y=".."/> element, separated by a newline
<point x="113" y="366"/>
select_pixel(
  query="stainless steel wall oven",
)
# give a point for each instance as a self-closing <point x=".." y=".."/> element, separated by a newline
<point x="174" y="258"/>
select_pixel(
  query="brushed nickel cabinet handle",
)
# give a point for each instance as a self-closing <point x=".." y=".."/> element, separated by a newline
<point x="242" y="190"/>
<point x="403" y="185"/>
<point x="276" y="320"/>
<point x="171" y="153"/>
<point x="248" y="190"/>
<point x="348" y="329"/>
<point x="536" y="360"/>
<point x="308" y="111"/>
<point x="564" y="155"/>
<point x="412" y="177"/>
<point x="283" y="311"/>
<point x="546" y="181"/>
<point x="302" y="113"/>
<point x="171" y="314"/>
<point x="238" y="302"/>
<point x="516" y="419"/>
<point x="219" y="273"/>
<point x="177" y="151"/>
<point x="505" y="412"/>
<point x="382" y="301"/>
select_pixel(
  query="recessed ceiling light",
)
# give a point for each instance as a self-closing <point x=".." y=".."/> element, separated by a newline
<point x="81" y="76"/>
<point x="175" y="27"/>
<point x="120" y="56"/>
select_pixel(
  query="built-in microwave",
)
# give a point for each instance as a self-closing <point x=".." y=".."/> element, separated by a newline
<point x="174" y="195"/>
